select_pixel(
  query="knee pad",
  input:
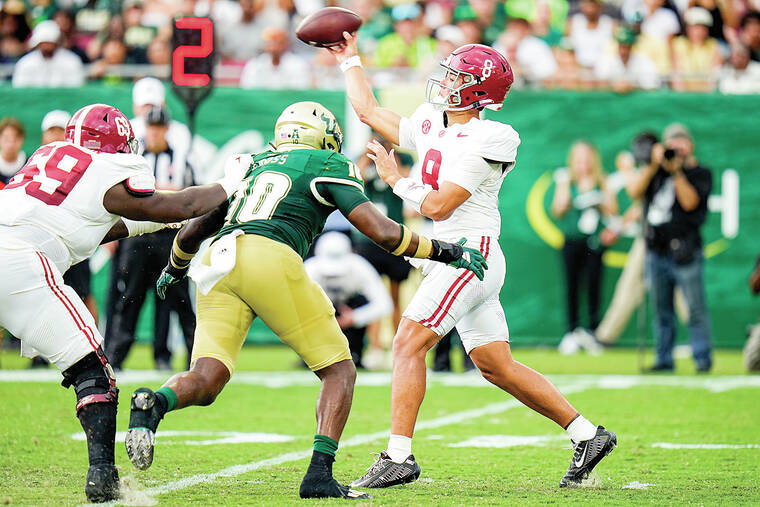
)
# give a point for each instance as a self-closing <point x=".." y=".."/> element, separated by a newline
<point x="93" y="380"/>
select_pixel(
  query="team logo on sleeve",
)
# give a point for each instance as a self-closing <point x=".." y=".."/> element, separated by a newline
<point x="426" y="126"/>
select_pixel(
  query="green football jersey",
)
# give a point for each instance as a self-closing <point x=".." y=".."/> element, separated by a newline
<point x="288" y="195"/>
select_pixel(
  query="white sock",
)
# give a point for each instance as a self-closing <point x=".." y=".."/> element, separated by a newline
<point x="399" y="448"/>
<point x="581" y="429"/>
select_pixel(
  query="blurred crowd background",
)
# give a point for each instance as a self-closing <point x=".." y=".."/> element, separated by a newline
<point x="685" y="45"/>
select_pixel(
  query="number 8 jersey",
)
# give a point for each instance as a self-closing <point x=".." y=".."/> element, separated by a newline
<point x="54" y="204"/>
<point x="476" y="156"/>
<point x="287" y="195"/>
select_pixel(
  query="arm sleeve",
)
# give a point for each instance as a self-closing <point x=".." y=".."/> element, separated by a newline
<point x="473" y="170"/>
<point x="379" y="301"/>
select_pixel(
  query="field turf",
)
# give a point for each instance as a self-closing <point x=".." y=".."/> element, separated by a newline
<point x="476" y="445"/>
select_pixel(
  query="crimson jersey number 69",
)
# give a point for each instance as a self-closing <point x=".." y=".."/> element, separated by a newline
<point x="50" y="178"/>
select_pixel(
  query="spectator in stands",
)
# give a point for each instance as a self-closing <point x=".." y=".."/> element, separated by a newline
<point x="740" y="74"/>
<point x="724" y="18"/>
<point x="581" y="201"/>
<point x="532" y="57"/>
<point x="675" y="188"/>
<point x="750" y="34"/>
<point x="12" y="158"/>
<point x="696" y="58"/>
<point x="589" y="32"/>
<point x="624" y="69"/>
<point x="352" y="284"/>
<point x="48" y="65"/>
<point x="542" y="25"/>
<point x="277" y="67"/>
<point x="53" y="125"/>
<point x="466" y="20"/>
<point x="143" y="257"/>
<point x="140" y="28"/>
<point x="530" y="9"/>
<point x="159" y="52"/>
<point x="242" y="40"/>
<point x="14" y="30"/>
<point x="492" y="18"/>
<point x="376" y="24"/>
<point x="406" y="46"/>
<point x="658" y="28"/>
<point x="113" y="53"/>
<point x="67" y="25"/>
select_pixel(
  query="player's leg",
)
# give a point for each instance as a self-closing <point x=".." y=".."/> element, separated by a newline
<point x="298" y="311"/>
<point x="223" y="322"/>
<point x="485" y="336"/>
<point x="443" y="297"/>
<point x="52" y="320"/>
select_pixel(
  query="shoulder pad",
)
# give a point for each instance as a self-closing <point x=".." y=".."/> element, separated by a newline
<point x="494" y="140"/>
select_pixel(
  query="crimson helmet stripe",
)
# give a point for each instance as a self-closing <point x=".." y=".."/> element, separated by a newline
<point x="80" y="121"/>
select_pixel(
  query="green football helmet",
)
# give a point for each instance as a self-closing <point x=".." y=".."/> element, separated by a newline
<point x="307" y="124"/>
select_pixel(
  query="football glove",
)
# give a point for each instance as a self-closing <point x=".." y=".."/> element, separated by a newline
<point x="460" y="256"/>
<point x="169" y="276"/>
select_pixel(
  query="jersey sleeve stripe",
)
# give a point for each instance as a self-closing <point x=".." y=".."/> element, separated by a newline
<point x="327" y="179"/>
<point x="138" y="192"/>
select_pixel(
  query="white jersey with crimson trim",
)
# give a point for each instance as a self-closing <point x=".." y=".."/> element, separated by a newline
<point x="458" y="154"/>
<point x="55" y="202"/>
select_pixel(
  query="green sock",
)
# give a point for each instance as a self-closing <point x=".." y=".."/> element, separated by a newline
<point x="170" y="396"/>
<point x="325" y="445"/>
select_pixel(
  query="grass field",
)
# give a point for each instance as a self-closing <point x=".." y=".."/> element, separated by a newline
<point x="476" y="445"/>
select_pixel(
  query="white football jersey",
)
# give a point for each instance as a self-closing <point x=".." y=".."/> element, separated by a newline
<point x="459" y="153"/>
<point x="55" y="202"/>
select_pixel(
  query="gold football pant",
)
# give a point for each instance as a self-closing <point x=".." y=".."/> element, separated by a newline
<point x="268" y="281"/>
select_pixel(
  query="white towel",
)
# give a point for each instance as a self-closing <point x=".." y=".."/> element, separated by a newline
<point x="222" y="261"/>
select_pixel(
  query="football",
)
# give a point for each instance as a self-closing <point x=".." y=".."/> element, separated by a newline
<point x="325" y="27"/>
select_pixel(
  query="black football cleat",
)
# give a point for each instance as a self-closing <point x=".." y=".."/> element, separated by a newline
<point x="102" y="483"/>
<point x="385" y="473"/>
<point x="325" y="486"/>
<point x="586" y="455"/>
<point x="144" y="417"/>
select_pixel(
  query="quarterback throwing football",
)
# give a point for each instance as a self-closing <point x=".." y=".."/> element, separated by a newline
<point x="464" y="161"/>
<point x="68" y="198"/>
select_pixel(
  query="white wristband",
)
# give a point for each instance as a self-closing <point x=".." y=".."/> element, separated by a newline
<point x="353" y="61"/>
<point x="411" y="192"/>
<point x="229" y="184"/>
<point x="140" y="227"/>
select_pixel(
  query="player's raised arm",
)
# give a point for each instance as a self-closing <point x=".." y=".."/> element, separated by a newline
<point x="360" y="93"/>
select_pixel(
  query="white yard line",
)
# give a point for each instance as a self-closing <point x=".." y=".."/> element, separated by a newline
<point x="671" y="445"/>
<point x="275" y="379"/>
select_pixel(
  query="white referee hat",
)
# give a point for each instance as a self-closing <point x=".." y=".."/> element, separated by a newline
<point x="148" y="90"/>
<point x="55" y="118"/>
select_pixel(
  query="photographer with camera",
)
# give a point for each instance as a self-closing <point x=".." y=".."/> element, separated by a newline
<point x="675" y="188"/>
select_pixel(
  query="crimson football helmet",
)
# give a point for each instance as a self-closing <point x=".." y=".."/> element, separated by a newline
<point x="475" y="76"/>
<point x="101" y="128"/>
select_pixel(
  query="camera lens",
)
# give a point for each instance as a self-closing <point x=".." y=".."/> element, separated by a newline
<point x="669" y="154"/>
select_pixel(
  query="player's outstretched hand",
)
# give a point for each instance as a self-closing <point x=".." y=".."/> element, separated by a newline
<point x="385" y="162"/>
<point x="471" y="259"/>
<point x="169" y="276"/>
<point x="343" y="52"/>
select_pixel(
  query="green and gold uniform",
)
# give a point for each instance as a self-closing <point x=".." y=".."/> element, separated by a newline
<point x="280" y="208"/>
